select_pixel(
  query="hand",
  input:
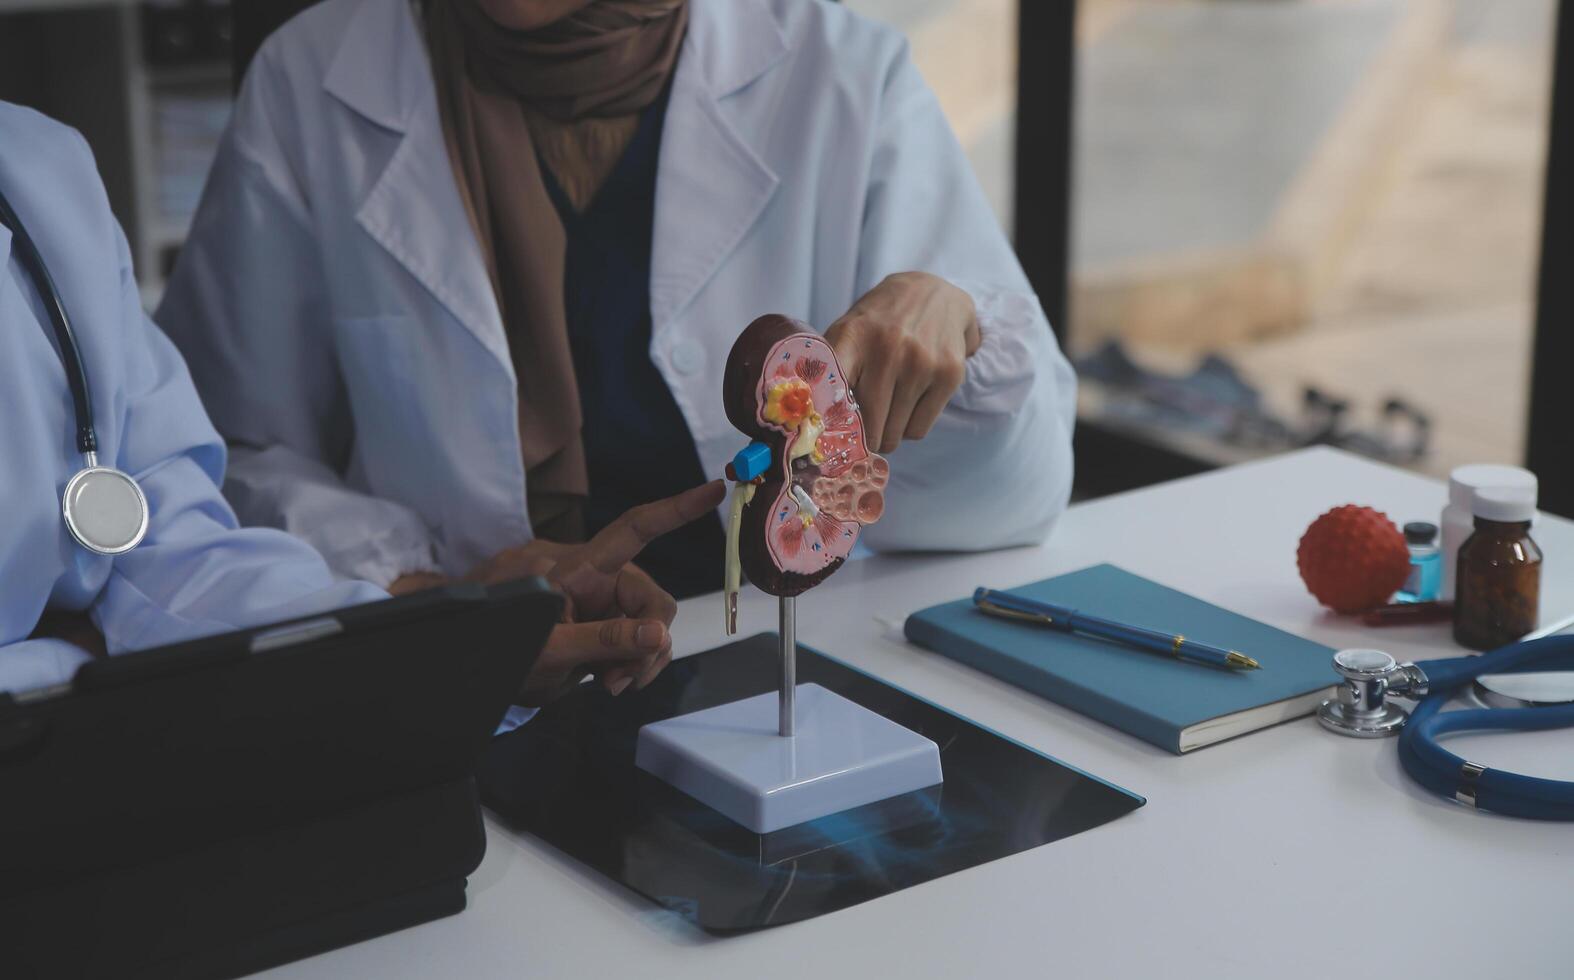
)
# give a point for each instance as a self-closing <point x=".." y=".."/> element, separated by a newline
<point x="903" y="348"/>
<point x="531" y="558"/>
<point x="571" y="647"/>
<point x="536" y="557"/>
<point x="617" y="617"/>
<point x="416" y="582"/>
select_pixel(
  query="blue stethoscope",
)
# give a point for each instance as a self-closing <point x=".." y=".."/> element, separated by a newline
<point x="103" y="507"/>
<point x="1361" y="708"/>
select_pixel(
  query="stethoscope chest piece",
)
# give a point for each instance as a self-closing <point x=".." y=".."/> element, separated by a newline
<point x="105" y="510"/>
<point x="1505" y="676"/>
<point x="1360" y="707"/>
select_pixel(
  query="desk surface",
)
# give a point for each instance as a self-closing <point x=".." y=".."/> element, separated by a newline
<point x="1286" y="853"/>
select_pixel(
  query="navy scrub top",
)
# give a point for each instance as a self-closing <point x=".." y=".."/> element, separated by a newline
<point x="637" y="445"/>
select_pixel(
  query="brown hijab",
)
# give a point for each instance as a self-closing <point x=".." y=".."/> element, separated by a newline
<point x="571" y="91"/>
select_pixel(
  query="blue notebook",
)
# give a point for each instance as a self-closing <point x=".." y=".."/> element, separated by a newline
<point x="1176" y="705"/>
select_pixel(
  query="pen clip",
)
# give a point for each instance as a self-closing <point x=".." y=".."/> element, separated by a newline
<point x="985" y="606"/>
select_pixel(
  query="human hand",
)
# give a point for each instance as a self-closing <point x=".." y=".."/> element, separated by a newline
<point x="617" y="619"/>
<point x="535" y="557"/>
<point x="416" y="582"/>
<point x="903" y="348"/>
<point x="572" y="648"/>
<point x="521" y="561"/>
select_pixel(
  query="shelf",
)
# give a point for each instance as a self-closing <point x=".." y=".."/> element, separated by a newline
<point x="200" y="74"/>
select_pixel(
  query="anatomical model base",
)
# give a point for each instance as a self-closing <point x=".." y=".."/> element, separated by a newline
<point x="731" y="758"/>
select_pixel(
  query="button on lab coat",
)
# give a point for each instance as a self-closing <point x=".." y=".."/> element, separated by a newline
<point x="194" y="573"/>
<point x="333" y="302"/>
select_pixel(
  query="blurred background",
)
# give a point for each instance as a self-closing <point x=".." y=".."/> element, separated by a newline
<point x="1256" y="224"/>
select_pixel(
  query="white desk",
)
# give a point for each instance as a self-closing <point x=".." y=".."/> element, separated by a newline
<point x="1287" y="853"/>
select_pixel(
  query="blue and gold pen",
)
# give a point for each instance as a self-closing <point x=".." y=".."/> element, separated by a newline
<point x="1009" y="606"/>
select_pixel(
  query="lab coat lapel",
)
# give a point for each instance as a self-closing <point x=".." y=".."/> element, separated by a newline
<point x="413" y="210"/>
<point x="711" y="183"/>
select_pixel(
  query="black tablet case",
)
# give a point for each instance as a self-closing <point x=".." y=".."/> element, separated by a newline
<point x="213" y="808"/>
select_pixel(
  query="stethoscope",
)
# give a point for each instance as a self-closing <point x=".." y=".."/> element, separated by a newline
<point x="103" y="507"/>
<point x="1361" y="709"/>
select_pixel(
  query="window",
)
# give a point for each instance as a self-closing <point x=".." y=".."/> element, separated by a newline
<point x="1301" y="221"/>
<point x="967" y="52"/>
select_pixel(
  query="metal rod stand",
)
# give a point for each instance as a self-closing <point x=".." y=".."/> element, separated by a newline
<point x="789" y="636"/>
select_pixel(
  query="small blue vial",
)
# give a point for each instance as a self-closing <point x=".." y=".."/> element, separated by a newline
<point x="1426" y="564"/>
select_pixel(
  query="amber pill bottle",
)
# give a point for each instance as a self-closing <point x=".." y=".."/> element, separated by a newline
<point x="1498" y="594"/>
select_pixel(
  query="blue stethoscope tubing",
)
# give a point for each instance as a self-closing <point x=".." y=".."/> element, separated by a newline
<point x="1497" y="790"/>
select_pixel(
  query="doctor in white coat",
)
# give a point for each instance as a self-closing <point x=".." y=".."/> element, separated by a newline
<point x="195" y="572"/>
<point x="341" y="311"/>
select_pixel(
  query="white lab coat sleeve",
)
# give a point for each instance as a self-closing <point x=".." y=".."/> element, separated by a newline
<point x="246" y="307"/>
<point x="196" y="572"/>
<point x="995" y="470"/>
<point x="42" y="662"/>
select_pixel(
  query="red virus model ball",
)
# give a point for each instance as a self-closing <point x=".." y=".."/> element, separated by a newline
<point x="1353" y="559"/>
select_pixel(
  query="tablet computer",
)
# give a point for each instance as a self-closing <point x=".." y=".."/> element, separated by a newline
<point x="216" y="806"/>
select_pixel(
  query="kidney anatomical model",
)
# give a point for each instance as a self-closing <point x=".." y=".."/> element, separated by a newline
<point x="804" y="488"/>
<point x="808" y="481"/>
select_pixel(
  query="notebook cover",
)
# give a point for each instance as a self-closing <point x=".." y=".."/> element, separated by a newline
<point x="1144" y="694"/>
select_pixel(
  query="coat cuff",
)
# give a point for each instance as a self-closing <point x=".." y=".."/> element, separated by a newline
<point x="362" y="537"/>
<point x="43" y="662"/>
<point x="386" y="564"/>
<point x="1000" y="374"/>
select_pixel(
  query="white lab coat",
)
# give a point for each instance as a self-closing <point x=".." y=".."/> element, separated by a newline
<point x="195" y="572"/>
<point x="333" y="303"/>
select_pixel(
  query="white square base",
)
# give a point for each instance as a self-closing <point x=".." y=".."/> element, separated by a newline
<point x="731" y="758"/>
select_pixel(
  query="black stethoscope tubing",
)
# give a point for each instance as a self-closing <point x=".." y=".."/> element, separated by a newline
<point x="104" y="509"/>
<point x="65" y="338"/>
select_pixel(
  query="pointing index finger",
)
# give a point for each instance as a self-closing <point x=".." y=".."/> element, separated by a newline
<point x="621" y="541"/>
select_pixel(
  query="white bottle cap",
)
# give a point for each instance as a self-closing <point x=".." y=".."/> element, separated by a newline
<point x="1509" y="506"/>
<point x="1464" y="481"/>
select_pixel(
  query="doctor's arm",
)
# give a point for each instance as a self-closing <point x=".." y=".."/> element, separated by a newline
<point x="246" y="308"/>
<point x="196" y="572"/>
<point x="948" y="350"/>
